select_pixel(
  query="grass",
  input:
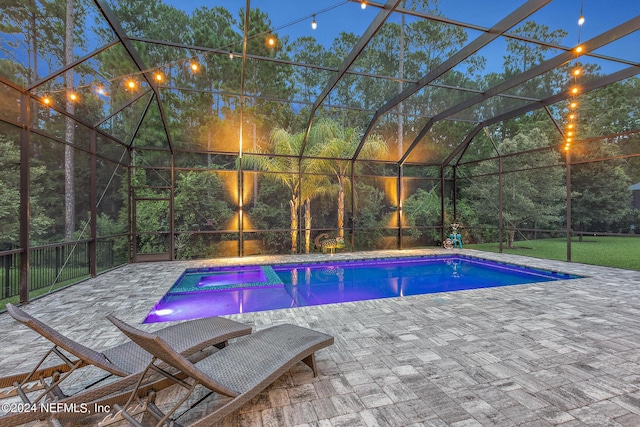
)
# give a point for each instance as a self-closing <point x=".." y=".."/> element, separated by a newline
<point x="620" y="252"/>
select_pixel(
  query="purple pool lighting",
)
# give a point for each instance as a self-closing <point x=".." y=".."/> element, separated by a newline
<point x="234" y="277"/>
<point x="231" y="290"/>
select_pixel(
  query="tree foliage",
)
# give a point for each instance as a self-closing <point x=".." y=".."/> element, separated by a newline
<point x="531" y="197"/>
<point x="205" y="110"/>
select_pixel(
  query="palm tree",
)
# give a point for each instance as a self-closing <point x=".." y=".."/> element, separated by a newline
<point x="312" y="187"/>
<point x="284" y="170"/>
<point x="332" y="141"/>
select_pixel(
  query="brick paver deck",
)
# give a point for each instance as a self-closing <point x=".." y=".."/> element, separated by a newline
<point x="562" y="353"/>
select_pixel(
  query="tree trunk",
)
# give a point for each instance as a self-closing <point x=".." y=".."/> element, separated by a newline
<point x="511" y="235"/>
<point x="33" y="76"/>
<point x="69" y="134"/>
<point x="340" y="207"/>
<point x="293" y="204"/>
<point x="307" y="225"/>
<point x="400" y="77"/>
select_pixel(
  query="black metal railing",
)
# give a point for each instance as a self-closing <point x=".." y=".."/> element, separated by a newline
<point x="10" y="264"/>
<point x="54" y="264"/>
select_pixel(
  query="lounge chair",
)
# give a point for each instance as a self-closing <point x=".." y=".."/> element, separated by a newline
<point x="127" y="360"/>
<point x="240" y="371"/>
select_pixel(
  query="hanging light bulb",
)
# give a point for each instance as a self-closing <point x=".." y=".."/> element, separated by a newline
<point x="314" y="24"/>
<point x="73" y="96"/>
<point x="194" y="66"/>
<point x="271" y="40"/>
<point x="230" y="55"/>
<point x="46" y="100"/>
<point x="131" y="84"/>
<point x="575" y="90"/>
<point x="158" y="77"/>
<point x="363" y="4"/>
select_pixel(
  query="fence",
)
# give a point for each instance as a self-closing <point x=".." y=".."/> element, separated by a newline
<point x="52" y="264"/>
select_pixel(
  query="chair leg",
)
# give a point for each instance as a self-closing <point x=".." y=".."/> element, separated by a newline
<point x="56" y="392"/>
<point x="310" y="361"/>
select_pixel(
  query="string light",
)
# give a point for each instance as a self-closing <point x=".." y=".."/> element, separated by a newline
<point x="73" y="97"/>
<point x="131" y="84"/>
<point x="575" y="89"/>
<point x="271" y="40"/>
<point x="363" y="4"/>
<point x="314" y="24"/>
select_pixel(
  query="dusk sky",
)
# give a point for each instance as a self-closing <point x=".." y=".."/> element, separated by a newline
<point x="334" y="17"/>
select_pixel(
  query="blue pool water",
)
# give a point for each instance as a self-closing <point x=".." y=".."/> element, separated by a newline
<point x="229" y="290"/>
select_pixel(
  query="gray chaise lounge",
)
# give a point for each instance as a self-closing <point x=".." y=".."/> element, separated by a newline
<point x="126" y="360"/>
<point x="240" y="371"/>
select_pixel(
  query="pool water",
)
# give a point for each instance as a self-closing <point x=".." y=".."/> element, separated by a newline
<point x="230" y="290"/>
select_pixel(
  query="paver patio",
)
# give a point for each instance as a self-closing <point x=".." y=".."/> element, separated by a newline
<point x="563" y="353"/>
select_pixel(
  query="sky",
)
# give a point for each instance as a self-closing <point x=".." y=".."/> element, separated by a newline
<point x="293" y="18"/>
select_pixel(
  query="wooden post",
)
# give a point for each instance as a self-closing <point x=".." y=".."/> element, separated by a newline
<point x="93" y="196"/>
<point x="25" y="217"/>
<point x="568" y="163"/>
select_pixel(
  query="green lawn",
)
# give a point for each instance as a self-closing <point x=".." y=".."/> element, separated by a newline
<point x="621" y="252"/>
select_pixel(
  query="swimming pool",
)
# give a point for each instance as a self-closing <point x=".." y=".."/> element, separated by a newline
<point x="218" y="291"/>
